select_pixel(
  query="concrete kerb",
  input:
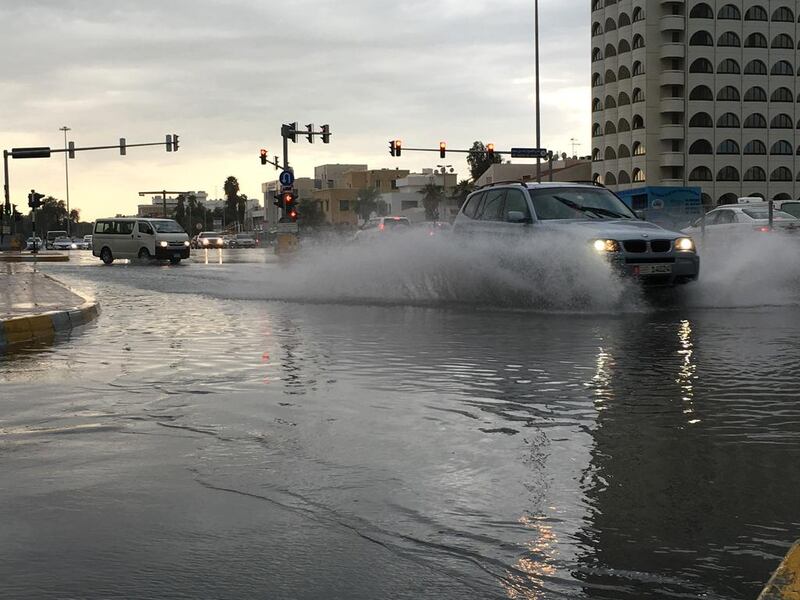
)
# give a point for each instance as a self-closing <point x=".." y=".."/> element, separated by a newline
<point x="42" y="327"/>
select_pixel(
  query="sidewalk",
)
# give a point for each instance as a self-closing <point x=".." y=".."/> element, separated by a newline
<point x="34" y="307"/>
<point x="17" y="256"/>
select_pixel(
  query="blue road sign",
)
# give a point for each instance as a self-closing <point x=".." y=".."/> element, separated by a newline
<point x="286" y="178"/>
<point x="528" y="153"/>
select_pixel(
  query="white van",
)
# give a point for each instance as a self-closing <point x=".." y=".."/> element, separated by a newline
<point x="147" y="239"/>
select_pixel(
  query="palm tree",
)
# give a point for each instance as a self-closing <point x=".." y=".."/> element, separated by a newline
<point x="432" y="195"/>
<point x="231" y="188"/>
<point x="367" y="199"/>
<point x="459" y="193"/>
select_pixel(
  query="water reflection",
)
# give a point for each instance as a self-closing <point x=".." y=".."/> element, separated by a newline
<point x="687" y="373"/>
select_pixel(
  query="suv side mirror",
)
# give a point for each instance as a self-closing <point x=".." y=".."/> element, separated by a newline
<point x="517" y="216"/>
<point x="641" y="215"/>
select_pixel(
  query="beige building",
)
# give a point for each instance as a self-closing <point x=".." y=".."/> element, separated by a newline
<point x="339" y="200"/>
<point x="697" y="93"/>
<point x="569" y="169"/>
<point x="333" y="176"/>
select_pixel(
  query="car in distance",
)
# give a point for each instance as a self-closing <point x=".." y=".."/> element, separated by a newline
<point x="210" y="239"/>
<point x="379" y="227"/>
<point x="51" y="236"/>
<point x="242" y="240"/>
<point x="87" y="239"/>
<point x="732" y="221"/>
<point x="29" y="243"/>
<point x="63" y="243"/>
<point x="145" y="239"/>
<point x="645" y="251"/>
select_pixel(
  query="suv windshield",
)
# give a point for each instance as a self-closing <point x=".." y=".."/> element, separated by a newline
<point x="167" y="227"/>
<point x="578" y="203"/>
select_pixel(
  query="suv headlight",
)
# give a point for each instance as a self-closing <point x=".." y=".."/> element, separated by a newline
<point x="186" y="243"/>
<point x="604" y="246"/>
<point x="684" y="244"/>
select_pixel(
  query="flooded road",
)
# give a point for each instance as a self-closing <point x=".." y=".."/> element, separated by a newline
<point x="205" y="437"/>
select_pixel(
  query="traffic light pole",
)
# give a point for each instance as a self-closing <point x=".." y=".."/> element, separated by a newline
<point x="6" y="212"/>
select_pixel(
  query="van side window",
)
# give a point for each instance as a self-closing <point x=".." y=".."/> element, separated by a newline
<point x="144" y="227"/>
<point x="125" y="227"/>
<point x="104" y="227"/>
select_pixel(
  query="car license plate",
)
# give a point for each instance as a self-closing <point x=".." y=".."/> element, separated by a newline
<point x="654" y="269"/>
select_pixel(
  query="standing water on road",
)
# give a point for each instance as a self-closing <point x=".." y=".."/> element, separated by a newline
<point x="414" y="420"/>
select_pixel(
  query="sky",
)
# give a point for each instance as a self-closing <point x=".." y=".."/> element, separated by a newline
<point x="224" y="75"/>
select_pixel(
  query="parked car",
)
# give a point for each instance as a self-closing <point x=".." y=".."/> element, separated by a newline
<point x="380" y="227"/>
<point x="210" y="239"/>
<point x="650" y="253"/>
<point x="51" y="236"/>
<point x="79" y="244"/>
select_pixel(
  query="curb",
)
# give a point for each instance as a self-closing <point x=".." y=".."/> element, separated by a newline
<point x="28" y="258"/>
<point x="43" y="327"/>
<point x="785" y="582"/>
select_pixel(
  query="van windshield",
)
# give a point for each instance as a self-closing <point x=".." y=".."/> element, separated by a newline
<point x="167" y="227"/>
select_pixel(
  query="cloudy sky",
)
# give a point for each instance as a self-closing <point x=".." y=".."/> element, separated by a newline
<point x="224" y="75"/>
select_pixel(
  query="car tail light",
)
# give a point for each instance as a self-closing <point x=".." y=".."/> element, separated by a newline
<point x="763" y="229"/>
<point x="381" y="226"/>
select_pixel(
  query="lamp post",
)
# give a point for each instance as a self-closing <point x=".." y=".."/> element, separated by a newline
<point x="65" y="129"/>
<point x="538" y="106"/>
<point x="444" y="181"/>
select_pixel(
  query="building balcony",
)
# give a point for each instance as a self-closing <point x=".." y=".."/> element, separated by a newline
<point x="672" y="159"/>
<point x="673" y="51"/>
<point x="672" y="132"/>
<point x="672" y="105"/>
<point x="673" y="23"/>
<point x="673" y="78"/>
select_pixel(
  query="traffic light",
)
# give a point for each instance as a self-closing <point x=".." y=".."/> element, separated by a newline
<point x="292" y="213"/>
<point x="490" y="150"/>
<point x="326" y="134"/>
<point x="34" y="199"/>
<point x="169" y="143"/>
<point x="71" y="150"/>
<point x="442" y="149"/>
<point x="290" y="132"/>
<point x="392" y="149"/>
<point x="263" y="155"/>
<point x="15" y="213"/>
<point x="398" y="147"/>
<point x="310" y="134"/>
<point x="279" y="201"/>
<point x="288" y="200"/>
<point x="123" y="150"/>
<point x="174" y="142"/>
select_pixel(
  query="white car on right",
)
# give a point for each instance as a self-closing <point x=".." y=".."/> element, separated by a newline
<point x="749" y="216"/>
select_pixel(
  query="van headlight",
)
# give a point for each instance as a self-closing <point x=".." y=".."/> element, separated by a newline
<point x="205" y="241"/>
<point x="163" y="244"/>
<point x="186" y="243"/>
<point x="605" y="246"/>
<point x="684" y="244"/>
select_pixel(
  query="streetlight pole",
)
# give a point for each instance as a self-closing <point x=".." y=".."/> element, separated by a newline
<point x="444" y="182"/>
<point x="538" y="106"/>
<point x="65" y="129"/>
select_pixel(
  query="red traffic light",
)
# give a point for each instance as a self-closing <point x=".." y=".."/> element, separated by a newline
<point x="263" y="155"/>
<point x="490" y="149"/>
<point x="442" y="149"/>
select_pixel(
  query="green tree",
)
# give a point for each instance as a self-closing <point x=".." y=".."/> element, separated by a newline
<point x="180" y="212"/>
<point x="310" y="213"/>
<point x="479" y="160"/>
<point x="432" y="196"/>
<point x="367" y="200"/>
<point x="241" y="208"/>
<point x="51" y="215"/>
<point x="231" y="188"/>
<point x="463" y="189"/>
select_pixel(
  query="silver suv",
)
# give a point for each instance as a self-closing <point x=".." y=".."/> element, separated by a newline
<point x="636" y="248"/>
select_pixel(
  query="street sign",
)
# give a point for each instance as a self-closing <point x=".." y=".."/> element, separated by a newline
<point x="286" y="178"/>
<point x="528" y="153"/>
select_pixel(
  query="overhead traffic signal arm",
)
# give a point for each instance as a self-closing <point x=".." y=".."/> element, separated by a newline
<point x="395" y="149"/>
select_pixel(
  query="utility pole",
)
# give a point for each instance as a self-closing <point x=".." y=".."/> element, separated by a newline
<point x="538" y="104"/>
<point x="65" y="129"/>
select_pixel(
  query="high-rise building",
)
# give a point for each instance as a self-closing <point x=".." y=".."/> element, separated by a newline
<point x="697" y="93"/>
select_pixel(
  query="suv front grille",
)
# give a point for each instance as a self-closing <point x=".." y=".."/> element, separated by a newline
<point x="635" y="246"/>
<point x="660" y="245"/>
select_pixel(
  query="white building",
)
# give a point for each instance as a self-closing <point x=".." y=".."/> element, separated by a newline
<point x="406" y="200"/>
<point x="698" y="93"/>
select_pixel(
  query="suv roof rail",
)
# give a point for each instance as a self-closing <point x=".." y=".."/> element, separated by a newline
<point x="586" y="182"/>
<point x="507" y="182"/>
